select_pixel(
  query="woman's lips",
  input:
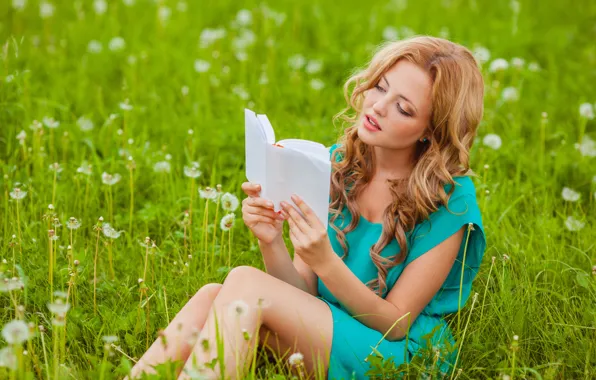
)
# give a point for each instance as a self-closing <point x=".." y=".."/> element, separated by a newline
<point x="368" y="125"/>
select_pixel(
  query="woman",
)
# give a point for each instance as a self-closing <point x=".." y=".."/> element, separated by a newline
<point x="404" y="242"/>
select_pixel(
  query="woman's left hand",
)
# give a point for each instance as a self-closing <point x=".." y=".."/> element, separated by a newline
<point x="308" y="234"/>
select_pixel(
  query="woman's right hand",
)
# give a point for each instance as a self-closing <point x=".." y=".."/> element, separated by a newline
<point x="258" y="215"/>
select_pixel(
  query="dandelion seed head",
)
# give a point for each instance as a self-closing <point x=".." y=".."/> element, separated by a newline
<point x="238" y="308"/>
<point x="17" y="193"/>
<point x="46" y="9"/>
<point x="8" y="358"/>
<point x="570" y="195"/>
<point x="573" y="224"/>
<point x="498" y="64"/>
<point x="117" y="44"/>
<point x="192" y="171"/>
<point x="492" y="140"/>
<point x="21" y="137"/>
<point x="229" y="202"/>
<point x="16" y="332"/>
<point x="201" y="66"/>
<point x="140" y="280"/>
<point x="296" y="359"/>
<point x="586" y="111"/>
<point x="110" y="179"/>
<point x="510" y="94"/>
<point x="73" y="223"/>
<point x="59" y="307"/>
<point x="227" y="222"/>
<point x="50" y="122"/>
<point x="125" y="105"/>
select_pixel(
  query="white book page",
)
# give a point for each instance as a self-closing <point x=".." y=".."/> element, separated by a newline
<point x="293" y="172"/>
<point x="267" y="128"/>
<point x="255" y="142"/>
<point x="309" y="147"/>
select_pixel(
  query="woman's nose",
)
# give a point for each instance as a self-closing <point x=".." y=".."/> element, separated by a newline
<point x="379" y="107"/>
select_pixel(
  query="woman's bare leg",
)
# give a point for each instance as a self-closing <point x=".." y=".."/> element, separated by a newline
<point x="298" y="318"/>
<point x="178" y="336"/>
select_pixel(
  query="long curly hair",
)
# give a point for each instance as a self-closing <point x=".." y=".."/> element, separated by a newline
<point x="457" y="109"/>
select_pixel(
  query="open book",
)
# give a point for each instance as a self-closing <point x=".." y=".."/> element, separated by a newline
<point x="287" y="167"/>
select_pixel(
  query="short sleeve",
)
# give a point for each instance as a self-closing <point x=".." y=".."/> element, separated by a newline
<point x="443" y="223"/>
<point x="331" y="149"/>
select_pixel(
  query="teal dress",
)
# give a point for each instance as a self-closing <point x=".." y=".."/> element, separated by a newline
<point x="352" y="340"/>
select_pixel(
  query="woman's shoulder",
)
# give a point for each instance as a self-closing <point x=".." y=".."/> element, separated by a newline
<point x="464" y="186"/>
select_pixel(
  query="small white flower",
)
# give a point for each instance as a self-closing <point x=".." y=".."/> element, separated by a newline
<point x="192" y="171"/>
<point x="202" y="66"/>
<point x="510" y="94"/>
<point x="162" y="167"/>
<point x="208" y="193"/>
<point x="110" y="179"/>
<point x="164" y="13"/>
<point x="94" y="47"/>
<point x="481" y="54"/>
<point x="50" y="122"/>
<point x="296" y="61"/>
<point x="244" y="17"/>
<point x="586" y="111"/>
<point x="498" y="65"/>
<point x="317" y="84"/>
<point x="19" y="5"/>
<point x="237" y="308"/>
<point x="296" y="359"/>
<point x="59" y="307"/>
<point x="117" y="44"/>
<point x="573" y="224"/>
<point x="46" y="9"/>
<point x="229" y="202"/>
<point x="492" y="141"/>
<point x="390" y="33"/>
<point x="587" y="147"/>
<point x="227" y="222"/>
<point x="100" y="7"/>
<point x="125" y="105"/>
<point x="17" y="193"/>
<point x="15" y="332"/>
<point x="21" y="137"/>
<point x="518" y="62"/>
<point x="85" y="124"/>
<point x="570" y="195"/>
<point x="7" y="358"/>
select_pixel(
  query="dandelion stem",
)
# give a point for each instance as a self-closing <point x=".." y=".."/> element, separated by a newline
<point x="214" y="229"/>
<point x="95" y="274"/>
<point x="461" y="281"/>
<point x="45" y="355"/>
<point x="131" y="202"/>
<point x="112" y="274"/>
<point x="54" y="187"/>
<point x="19" y="231"/>
<point x="464" y="333"/>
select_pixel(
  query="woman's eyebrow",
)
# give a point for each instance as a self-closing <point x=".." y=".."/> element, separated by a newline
<point x="401" y="96"/>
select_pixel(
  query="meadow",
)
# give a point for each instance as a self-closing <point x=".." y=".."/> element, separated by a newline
<point x="122" y="156"/>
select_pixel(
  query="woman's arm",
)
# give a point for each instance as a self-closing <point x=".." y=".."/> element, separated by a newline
<point x="416" y="286"/>
<point x="278" y="264"/>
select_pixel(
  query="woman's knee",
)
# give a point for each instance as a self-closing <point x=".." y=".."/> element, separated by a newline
<point x="211" y="289"/>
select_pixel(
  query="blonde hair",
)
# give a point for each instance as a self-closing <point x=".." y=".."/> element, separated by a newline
<point x="457" y="108"/>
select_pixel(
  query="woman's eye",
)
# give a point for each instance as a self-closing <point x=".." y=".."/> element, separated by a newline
<point x="401" y="110"/>
<point x="379" y="87"/>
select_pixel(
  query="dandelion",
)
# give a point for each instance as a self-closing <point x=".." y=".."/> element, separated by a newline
<point x="229" y="202"/>
<point x="244" y="40"/>
<point x="510" y="94"/>
<point x="21" y="137"/>
<point x="533" y="66"/>
<point x="518" y="62"/>
<point x="56" y="167"/>
<point x="573" y="224"/>
<point x="85" y="124"/>
<point x="129" y="3"/>
<point x="240" y="92"/>
<point x="73" y="223"/>
<point x="59" y="307"/>
<point x="8" y="358"/>
<point x="202" y="66"/>
<point x="35" y="125"/>
<point x="100" y="7"/>
<point x="238" y="308"/>
<point x="587" y="147"/>
<point x="15" y="332"/>
<point x="390" y="33"/>
<point x="109" y="339"/>
<point x="163" y="14"/>
<point x="586" y="111"/>
<point x="85" y="168"/>
<point x="492" y="141"/>
<point x="109" y="231"/>
<point x="11" y="284"/>
<point x="263" y="79"/>
<point x="94" y="47"/>
<point x="296" y="359"/>
<point x="227" y="222"/>
<point x="296" y="61"/>
<point x="182" y="6"/>
<point x="481" y="54"/>
<point x="244" y="17"/>
<point x="46" y="9"/>
<point x="110" y="179"/>
<point x="125" y="105"/>
<point x="192" y="171"/>
<point x="209" y="36"/>
<point x="570" y="195"/>
<point x="506" y="257"/>
<point x="317" y="84"/>
<point x="17" y="193"/>
<point x="50" y="122"/>
<point x="498" y="64"/>
<point x="162" y="167"/>
<point x="19" y="5"/>
<point x="117" y="44"/>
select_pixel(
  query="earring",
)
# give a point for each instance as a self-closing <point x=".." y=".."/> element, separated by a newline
<point x="424" y="140"/>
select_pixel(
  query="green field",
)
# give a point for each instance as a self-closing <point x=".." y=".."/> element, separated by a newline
<point x="142" y="89"/>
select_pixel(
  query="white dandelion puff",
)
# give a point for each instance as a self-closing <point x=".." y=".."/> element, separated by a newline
<point x="19" y="5"/>
<point x="238" y="308"/>
<point x="100" y="7"/>
<point x="94" y="47"/>
<point x="109" y="338"/>
<point x="586" y="111"/>
<point x="209" y="36"/>
<point x="570" y="195"/>
<point x="85" y="168"/>
<point x="510" y="94"/>
<point x="46" y="9"/>
<point x="573" y="224"/>
<point x="59" y="307"/>
<point x="317" y="84"/>
<point x="533" y="66"/>
<point x="481" y="54"/>
<point x="229" y="202"/>
<point x="85" y="124"/>
<point x="17" y="193"/>
<point x="208" y="193"/>
<point x="518" y="62"/>
<point x="587" y="147"/>
<point x="202" y="66"/>
<point x="227" y="222"/>
<point x="15" y="332"/>
<point x="390" y="33"/>
<point x="125" y="105"/>
<point x="162" y="167"/>
<point x="164" y="13"/>
<point x="110" y="179"/>
<point x="244" y="17"/>
<point x="7" y="358"/>
<point x="296" y="61"/>
<point x="192" y="171"/>
<point x="21" y="137"/>
<point x="117" y="44"/>
<point x="50" y="122"/>
<point x="498" y="64"/>
<point x="73" y="223"/>
<point x="296" y="359"/>
<point x="109" y="231"/>
<point x="56" y="167"/>
<point x="492" y="141"/>
<point x="314" y="66"/>
<point x="240" y="92"/>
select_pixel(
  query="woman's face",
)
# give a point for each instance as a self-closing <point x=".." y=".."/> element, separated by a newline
<point x="400" y="105"/>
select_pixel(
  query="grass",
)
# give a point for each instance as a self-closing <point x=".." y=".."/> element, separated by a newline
<point x="153" y="99"/>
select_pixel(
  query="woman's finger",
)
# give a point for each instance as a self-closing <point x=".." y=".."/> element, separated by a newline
<point x="295" y="217"/>
<point x="260" y="211"/>
<point x="251" y="189"/>
<point x="252" y="218"/>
